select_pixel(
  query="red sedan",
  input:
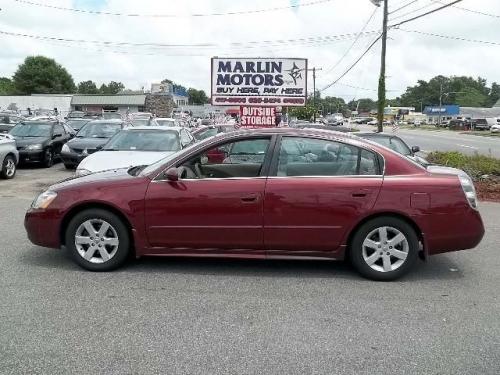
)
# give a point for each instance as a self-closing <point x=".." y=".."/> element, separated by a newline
<point x="278" y="193"/>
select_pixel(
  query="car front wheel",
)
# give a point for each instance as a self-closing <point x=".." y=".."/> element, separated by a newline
<point x="384" y="248"/>
<point x="98" y="240"/>
<point x="48" y="158"/>
<point x="8" y="169"/>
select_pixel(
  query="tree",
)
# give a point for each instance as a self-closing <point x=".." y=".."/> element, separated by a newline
<point x="302" y="113"/>
<point x="87" y="87"/>
<point x="494" y="94"/>
<point x="198" y="97"/>
<point x="41" y="75"/>
<point x="112" y="88"/>
<point x="6" y="86"/>
<point x="365" y="105"/>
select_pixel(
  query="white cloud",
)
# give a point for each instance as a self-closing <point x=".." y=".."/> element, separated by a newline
<point x="410" y="56"/>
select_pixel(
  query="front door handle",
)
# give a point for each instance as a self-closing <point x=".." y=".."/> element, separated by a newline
<point x="360" y="193"/>
<point x="250" y="198"/>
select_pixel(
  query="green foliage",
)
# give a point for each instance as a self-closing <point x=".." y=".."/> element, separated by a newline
<point x="472" y="92"/>
<point x="197" y="96"/>
<point x="302" y="113"/>
<point x="112" y="88"/>
<point x="6" y="86"/>
<point x="365" y="105"/>
<point x="476" y="166"/>
<point x="41" y="75"/>
<point x="87" y="87"/>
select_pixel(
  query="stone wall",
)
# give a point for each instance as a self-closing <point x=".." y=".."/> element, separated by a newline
<point x="159" y="105"/>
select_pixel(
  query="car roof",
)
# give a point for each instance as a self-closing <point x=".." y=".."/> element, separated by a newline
<point x="374" y="135"/>
<point x="164" y="128"/>
<point x="165" y="118"/>
<point x="110" y="121"/>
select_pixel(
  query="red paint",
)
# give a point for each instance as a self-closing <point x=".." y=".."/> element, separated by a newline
<point x="266" y="217"/>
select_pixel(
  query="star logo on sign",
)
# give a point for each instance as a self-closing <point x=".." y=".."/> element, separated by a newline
<point x="295" y="73"/>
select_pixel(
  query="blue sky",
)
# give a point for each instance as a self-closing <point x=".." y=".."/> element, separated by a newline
<point x="91" y="4"/>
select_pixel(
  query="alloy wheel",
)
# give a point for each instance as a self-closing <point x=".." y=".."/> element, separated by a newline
<point x="96" y="241"/>
<point x="385" y="249"/>
<point x="10" y="168"/>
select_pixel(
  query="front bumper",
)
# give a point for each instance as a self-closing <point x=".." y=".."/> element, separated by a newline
<point x="28" y="156"/>
<point x="72" y="158"/>
<point x="42" y="227"/>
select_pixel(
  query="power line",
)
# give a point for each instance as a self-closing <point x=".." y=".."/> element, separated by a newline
<point x="404" y="6"/>
<point x="412" y="12"/>
<point x="425" y="14"/>
<point x="353" y="65"/>
<point x="450" y="37"/>
<point x="471" y="10"/>
<point x="242" y="12"/>
<point x="249" y="44"/>
<point x="353" y="43"/>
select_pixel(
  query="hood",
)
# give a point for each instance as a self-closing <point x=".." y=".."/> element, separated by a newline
<point x="84" y="143"/>
<point x="104" y="160"/>
<point x="441" y="169"/>
<point x="104" y="176"/>
<point x="26" y="141"/>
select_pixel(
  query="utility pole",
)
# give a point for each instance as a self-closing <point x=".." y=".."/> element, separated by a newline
<point x="314" y="88"/>
<point x="440" y="102"/>
<point x="381" y="81"/>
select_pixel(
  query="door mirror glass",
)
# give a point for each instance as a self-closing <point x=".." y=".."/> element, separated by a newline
<point x="172" y="174"/>
<point x="415" y="149"/>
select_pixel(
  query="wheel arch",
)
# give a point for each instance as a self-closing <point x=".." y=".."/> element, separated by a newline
<point x="11" y="154"/>
<point x="94" y="205"/>
<point x="396" y="215"/>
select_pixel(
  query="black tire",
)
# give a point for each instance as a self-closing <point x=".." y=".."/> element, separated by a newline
<point x="48" y="158"/>
<point x="4" y="173"/>
<point x="356" y="248"/>
<point x="122" y="252"/>
<point x="69" y="166"/>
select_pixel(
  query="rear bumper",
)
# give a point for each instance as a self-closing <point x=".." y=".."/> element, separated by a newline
<point x="446" y="233"/>
<point x="42" y="228"/>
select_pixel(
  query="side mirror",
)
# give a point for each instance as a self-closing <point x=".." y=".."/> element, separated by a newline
<point x="99" y="147"/>
<point x="172" y="174"/>
<point x="415" y="149"/>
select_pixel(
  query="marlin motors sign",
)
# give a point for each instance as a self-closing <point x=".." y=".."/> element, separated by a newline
<point x="274" y="82"/>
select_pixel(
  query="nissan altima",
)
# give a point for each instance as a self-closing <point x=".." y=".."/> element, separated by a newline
<point x="298" y="194"/>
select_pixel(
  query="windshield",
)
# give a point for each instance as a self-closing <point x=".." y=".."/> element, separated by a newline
<point x="152" y="167"/>
<point x="140" y="122"/>
<point x="393" y="143"/>
<point x="76" y="124"/>
<point x="144" y="140"/>
<point x="206" y="133"/>
<point x="99" y="130"/>
<point x="165" y="122"/>
<point x="31" y="130"/>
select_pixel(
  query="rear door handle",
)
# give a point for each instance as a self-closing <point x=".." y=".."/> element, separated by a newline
<point x="250" y="198"/>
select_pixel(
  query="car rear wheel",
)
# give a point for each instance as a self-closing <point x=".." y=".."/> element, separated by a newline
<point x="8" y="170"/>
<point x="48" y="158"/>
<point x="384" y="248"/>
<point x="98" y="240"/>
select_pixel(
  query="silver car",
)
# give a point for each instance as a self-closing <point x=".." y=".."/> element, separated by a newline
<point x="9" y="157"/>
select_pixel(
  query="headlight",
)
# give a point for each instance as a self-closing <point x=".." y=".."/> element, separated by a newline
<point x="469" y="190"/>
<point x="34" y="147"/>
<point x="65" y="148"/>
<point x="82" y="172"/>
<point x="44" y="200"/>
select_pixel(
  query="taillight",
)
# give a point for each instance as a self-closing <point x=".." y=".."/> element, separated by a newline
<point x="469" y="190"/>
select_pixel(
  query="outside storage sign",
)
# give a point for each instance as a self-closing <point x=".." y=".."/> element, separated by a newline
<point x="259" y="81"/>
<point x="257" y="117"/>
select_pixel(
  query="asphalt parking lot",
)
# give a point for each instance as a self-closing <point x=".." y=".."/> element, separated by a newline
<point x="206" y="316"/>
